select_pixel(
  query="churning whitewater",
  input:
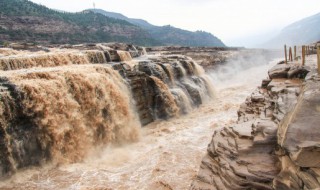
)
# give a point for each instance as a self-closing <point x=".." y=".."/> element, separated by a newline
<point x="64" y="113"/>
<point x="97" y="143"/>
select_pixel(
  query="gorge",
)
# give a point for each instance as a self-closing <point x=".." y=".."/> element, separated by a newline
<point x="103" y="94"/>
<point x="96" y="100"/>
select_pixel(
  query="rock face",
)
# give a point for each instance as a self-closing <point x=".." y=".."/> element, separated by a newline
<point x="164" y="86"/>
<point x="299" y="138"/>
<point x="275" y="143"/>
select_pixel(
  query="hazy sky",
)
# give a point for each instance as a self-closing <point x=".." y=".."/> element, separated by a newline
<point x="235" y="22"/>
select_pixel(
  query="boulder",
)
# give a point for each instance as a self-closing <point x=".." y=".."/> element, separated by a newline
<point x="288" y="71"/>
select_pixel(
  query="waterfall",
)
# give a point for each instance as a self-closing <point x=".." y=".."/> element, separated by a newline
<point x="199" y="71"/>
<point x="143" y="51"/>
<point x="124" y="55"/>
<point x="169" y="71"/>
<point x="182" y="81"/>
<point x="95" y="56"/>
<point x="180" y="70"/>
<point x="165" y="102"/>
<point x="183" y="101"/>
<point x="51" y="59"/>
<point x="61" y="114"/>
<point x="71" y="105"/>
<point x="107" y="55"/>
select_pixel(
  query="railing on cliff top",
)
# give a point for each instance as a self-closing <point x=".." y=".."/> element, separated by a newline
<point x="305" y="51"/>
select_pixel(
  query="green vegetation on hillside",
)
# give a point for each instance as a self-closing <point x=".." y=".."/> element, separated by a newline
<point x="169" y="35"/>
<point x="85" y="26"/>
<point x="25" y="21"/>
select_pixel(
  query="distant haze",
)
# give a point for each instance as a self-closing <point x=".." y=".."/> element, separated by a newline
<point x="236" y="22"/>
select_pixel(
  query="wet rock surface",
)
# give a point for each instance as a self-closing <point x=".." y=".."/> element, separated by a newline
<point x="164" y="86"/>
<point x="59" y="104"/>
<point x="275" y="143"/>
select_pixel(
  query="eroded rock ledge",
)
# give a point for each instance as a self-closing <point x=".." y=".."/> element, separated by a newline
<point x="275" y="143"/>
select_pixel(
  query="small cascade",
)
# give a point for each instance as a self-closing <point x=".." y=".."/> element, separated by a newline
<point x="7" y="51"/>
<point x="189" y="68"/>
<point x="182" y="99"/>
<point x="51" y="59"/>
<point x="143" y="51"/>
<point x="170" y="72"/>
<point x="197" y="68"/>
<point x="165" y="104"/>
<point x="124" y="55"/>
<point x="209" y="85"/>
<point x="180" y="71"/>
<point x="95" y="56"/>
<point x="199" y="71"/>
<point x="153" y="69"/>
<point x="179" y="76"/>
<point x="61" y="114"/>
<point x="107" y="55"/>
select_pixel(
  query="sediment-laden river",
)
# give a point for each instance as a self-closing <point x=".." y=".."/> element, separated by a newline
<point x="168" y="154"/>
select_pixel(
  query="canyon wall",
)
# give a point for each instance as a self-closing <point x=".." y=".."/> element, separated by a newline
<point x="274" y="144"/>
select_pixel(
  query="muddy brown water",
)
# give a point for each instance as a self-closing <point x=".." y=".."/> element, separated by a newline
<point x="167" y="156"/>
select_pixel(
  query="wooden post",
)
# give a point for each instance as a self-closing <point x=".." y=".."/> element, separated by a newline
<point x="290" y="54"/>
<point x="303" y="55"/>
<point x="318" y="55"/>
<point x="306" y="50"/>
<point x="295" y="52"/>
<point x="285" y="54"/>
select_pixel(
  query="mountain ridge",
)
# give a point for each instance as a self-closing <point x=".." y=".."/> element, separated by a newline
<point x="29" y="22"/>
<point x="25" y="21"/>
<point x="291" y="35"/>
<point x="169" y="35"/>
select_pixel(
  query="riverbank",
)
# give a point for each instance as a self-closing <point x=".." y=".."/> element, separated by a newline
<point x="274" y="144"/>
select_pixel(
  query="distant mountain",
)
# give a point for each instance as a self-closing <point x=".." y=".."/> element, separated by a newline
<point x="25" y="21"/>
<point x="138" y="22"/>
<point x="302" y="32"/>
<point x="169" y="35"/>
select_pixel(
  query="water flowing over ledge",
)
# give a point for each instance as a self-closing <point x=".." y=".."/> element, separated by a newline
<point x="58" y="105"/>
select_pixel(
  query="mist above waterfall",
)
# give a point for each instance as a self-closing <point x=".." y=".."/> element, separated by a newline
<point x="241" y="67"/>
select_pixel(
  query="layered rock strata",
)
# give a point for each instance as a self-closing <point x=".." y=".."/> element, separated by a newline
<point x="165" y="86"/>
<point x="274" y="144"/>
<point x="59" y="104"/>
<point x="213" y="57"/>
<point x="299" y="139"/>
